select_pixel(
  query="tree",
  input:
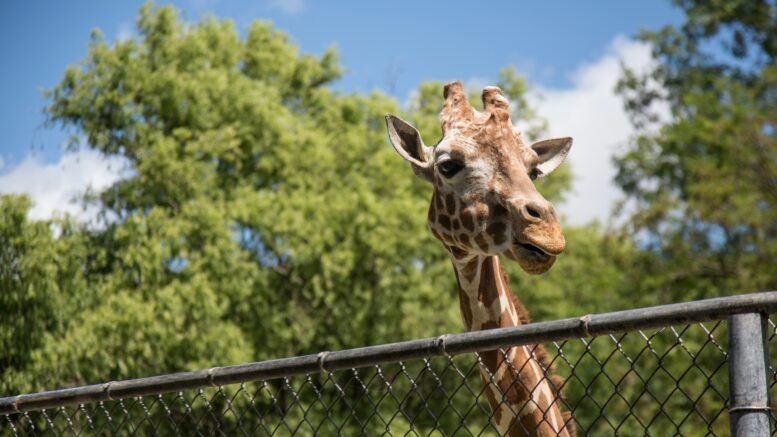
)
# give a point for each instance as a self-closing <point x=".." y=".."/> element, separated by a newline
<point x="705" y="183"/>
<point x="254" y="222"/>
<point x="701" y="183"/>
<point x="263" y="215"/>
<point x="37" y="274"/>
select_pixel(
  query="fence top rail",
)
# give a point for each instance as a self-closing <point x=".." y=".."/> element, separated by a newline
<point x="448" y="344"/>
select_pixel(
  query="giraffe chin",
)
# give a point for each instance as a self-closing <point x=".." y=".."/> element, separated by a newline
<point x="532" y="260"/>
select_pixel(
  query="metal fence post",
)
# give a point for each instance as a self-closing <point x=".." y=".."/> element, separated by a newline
<point x="748" y="388"/>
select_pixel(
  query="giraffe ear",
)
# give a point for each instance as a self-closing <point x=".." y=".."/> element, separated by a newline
<point x="408" y="143"/>
<point x="551" y="153"/>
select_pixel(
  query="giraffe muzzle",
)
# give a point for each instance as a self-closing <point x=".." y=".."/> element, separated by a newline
<point x="542" y="235"/>
<point x="537" y="245"/>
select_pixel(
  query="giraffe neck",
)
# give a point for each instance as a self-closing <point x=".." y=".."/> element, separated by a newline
<point x="484" y="295"/>
<point x="522" y="397"/>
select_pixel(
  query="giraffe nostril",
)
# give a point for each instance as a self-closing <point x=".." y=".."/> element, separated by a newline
<point x="533" y="212"/>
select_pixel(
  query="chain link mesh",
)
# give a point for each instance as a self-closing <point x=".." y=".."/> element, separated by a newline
<point x="667" y="381"/>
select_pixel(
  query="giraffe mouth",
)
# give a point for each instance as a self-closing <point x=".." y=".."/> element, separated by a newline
<point x="534" y="250"/>
<point x="532" y="259"/>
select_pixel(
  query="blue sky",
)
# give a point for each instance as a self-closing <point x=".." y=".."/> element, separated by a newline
<point x="387" y="45"/>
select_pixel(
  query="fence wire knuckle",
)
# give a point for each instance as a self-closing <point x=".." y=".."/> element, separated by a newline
<point x="676" y="369"/>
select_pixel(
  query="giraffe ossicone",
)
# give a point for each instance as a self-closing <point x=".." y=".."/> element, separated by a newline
<point x="485" y="205"/>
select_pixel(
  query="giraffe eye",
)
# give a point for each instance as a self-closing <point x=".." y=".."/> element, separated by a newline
<point x="534" y="174"/>
<point x="450" y="167"/>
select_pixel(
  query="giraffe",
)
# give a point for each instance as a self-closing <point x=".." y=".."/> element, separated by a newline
<point x="484" y="205"/>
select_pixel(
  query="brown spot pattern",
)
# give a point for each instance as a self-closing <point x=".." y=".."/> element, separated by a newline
<point x="467" y="219"/>
<point x="481" y="212"/>
<point x="466" y="311"/>
<point x="496" y="407"/>
<point x="488" y="291"/>
<point x="499" y="211"/>
<point x="466" y="314"/>
<point x="497" y="232"/>
<point x="450" y="204"/>
<point x="438" y="201"/>
<point x="470" y="270"/>
<point x="482" y="243"/>
<point x="458" y="253"/>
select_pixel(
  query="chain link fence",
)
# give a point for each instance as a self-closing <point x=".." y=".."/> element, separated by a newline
<point x="653" y="371"/>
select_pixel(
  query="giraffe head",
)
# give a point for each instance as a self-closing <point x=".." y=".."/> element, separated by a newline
<point x="485" y="201"/>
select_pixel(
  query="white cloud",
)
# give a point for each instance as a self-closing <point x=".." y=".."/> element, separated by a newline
<point x="125" y="32"/>
<point x="55" y="187"/>
<point x="593" y="114"/>
<point x="290" y="7"/>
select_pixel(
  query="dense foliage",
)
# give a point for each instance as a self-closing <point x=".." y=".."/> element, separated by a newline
<point x="704" y="185"/>
<point x="263" y="215"/>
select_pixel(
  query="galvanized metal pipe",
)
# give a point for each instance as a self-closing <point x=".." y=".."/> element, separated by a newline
<point x="449" y="344"/>
<point x="747" y="374"/>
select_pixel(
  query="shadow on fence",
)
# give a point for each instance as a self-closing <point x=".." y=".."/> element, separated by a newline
<point x="659" y="371"/>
